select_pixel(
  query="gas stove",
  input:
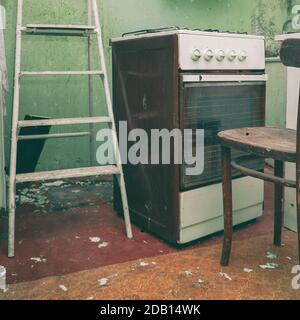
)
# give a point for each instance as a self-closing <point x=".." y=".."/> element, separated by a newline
<point x="177" y="78"/>
<point x="210" y="49"/>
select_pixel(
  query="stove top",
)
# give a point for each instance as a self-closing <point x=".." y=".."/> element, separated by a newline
<point x="175" y="28"/>
<point x="208" y="49"/>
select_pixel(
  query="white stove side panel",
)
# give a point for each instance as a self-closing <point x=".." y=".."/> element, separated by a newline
<point x="255" y="49"/>
<point x="290" y="203"/>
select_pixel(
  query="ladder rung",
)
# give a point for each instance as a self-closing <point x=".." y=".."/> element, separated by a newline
<point x="54" y="136"/>
<point x="57" y="29"/>
<point x="61" y="73"/>
<point x="60" y="122"/>
<point x="60" y="26"/>
<point x="67" y="174"/>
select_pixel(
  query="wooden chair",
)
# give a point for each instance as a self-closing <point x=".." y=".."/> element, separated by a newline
<point x="282" y="145"/>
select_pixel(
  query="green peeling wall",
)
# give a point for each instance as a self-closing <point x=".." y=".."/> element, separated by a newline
<point x="68" y="97"/>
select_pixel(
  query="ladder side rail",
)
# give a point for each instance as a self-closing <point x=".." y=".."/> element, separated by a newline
<point x="92" y="144"/>
<point x="105" y="82"/>
<point x="14" y="131"/>
<point x="111" y="115"/>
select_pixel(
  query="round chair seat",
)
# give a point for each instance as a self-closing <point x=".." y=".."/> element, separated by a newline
<point x="275" y="143"/>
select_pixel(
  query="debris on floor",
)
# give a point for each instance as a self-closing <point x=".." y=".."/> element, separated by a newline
<point x="54" y="184"/>
<point x="188" y="273"/>
<point x="103" y="245"/>
<point x="33" y="196"/>
<point x="103" y="282"/>
<point x="38" y="260"/>
<point x="63" y="288"/>
<point x="269" y="266"/>
<point x="226" y="276"/>
<point x="53" y="195"/>
<point x="248" y="270"/>
<point x="270" y="255"/>
<point x="144" y="264"/>
<point x="199" y="283"/>
<point x="95" y="239"/>
<point x="289" y="258"/>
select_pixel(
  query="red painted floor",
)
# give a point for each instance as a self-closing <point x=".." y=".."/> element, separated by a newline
<point x="60" y="236"/>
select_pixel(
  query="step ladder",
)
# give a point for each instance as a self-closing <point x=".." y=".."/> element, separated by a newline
<point x="94" y="29"/>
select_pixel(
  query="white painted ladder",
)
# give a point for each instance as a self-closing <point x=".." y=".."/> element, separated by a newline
<point x="65" y="30"/>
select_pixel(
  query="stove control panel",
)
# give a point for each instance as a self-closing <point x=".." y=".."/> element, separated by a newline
<point x="221" y="53"/>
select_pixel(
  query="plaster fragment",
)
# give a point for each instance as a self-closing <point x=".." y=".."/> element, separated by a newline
<point x="103" y="245"/>
<point x="269" y="266"/>
<point x="38" y="259"/>
<point x="226" y="276"/>
<point x="63" y="288"/>
<point x="103" y="282"/>
<point x="95" y="239"/>
<point x="272" y="256"/>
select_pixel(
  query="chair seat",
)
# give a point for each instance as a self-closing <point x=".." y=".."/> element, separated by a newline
<point x="275" y="143"/>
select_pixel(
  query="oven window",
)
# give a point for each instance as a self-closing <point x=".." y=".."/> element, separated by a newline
<point x="215" y="107"/>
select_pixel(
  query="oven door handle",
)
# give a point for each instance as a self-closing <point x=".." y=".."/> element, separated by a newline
<point x="223" y="78"/>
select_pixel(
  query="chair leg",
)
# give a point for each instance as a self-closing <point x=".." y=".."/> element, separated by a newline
<point x="278" y="204"/>
<point x="227" y="201"/>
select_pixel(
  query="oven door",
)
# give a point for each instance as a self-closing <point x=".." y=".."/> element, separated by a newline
<point x="216" y="103"/>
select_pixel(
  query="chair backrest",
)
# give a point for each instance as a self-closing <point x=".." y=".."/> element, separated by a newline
<point x="290" y="57"/>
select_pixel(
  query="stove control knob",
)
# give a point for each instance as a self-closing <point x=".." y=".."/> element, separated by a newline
<point x="232" y="55"/>
<point x="220" y="56"/>
<point x="196" y="55"/>
<point x="208" y="55"/>
<point x="242" y="56"/>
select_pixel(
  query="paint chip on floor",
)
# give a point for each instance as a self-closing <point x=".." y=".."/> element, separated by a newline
<point x="103" y="282"/>
<point x="63" y="288"/>
<point x="199" y="283"/>
<point x="226" y="276"/>
<point x="269" y="266"/>
<point x="270" y="255"/>
<point x="95" y="239"/>
<point x="248" y="270"/>
<point x="58" y="183"/>
<point x="76" y="191"/>
<point x="38" y="259"/>
<point x="103" y="245"/>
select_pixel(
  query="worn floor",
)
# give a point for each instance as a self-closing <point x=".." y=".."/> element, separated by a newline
<point x="191" y="274"/>
<point x="69" y="239"/>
